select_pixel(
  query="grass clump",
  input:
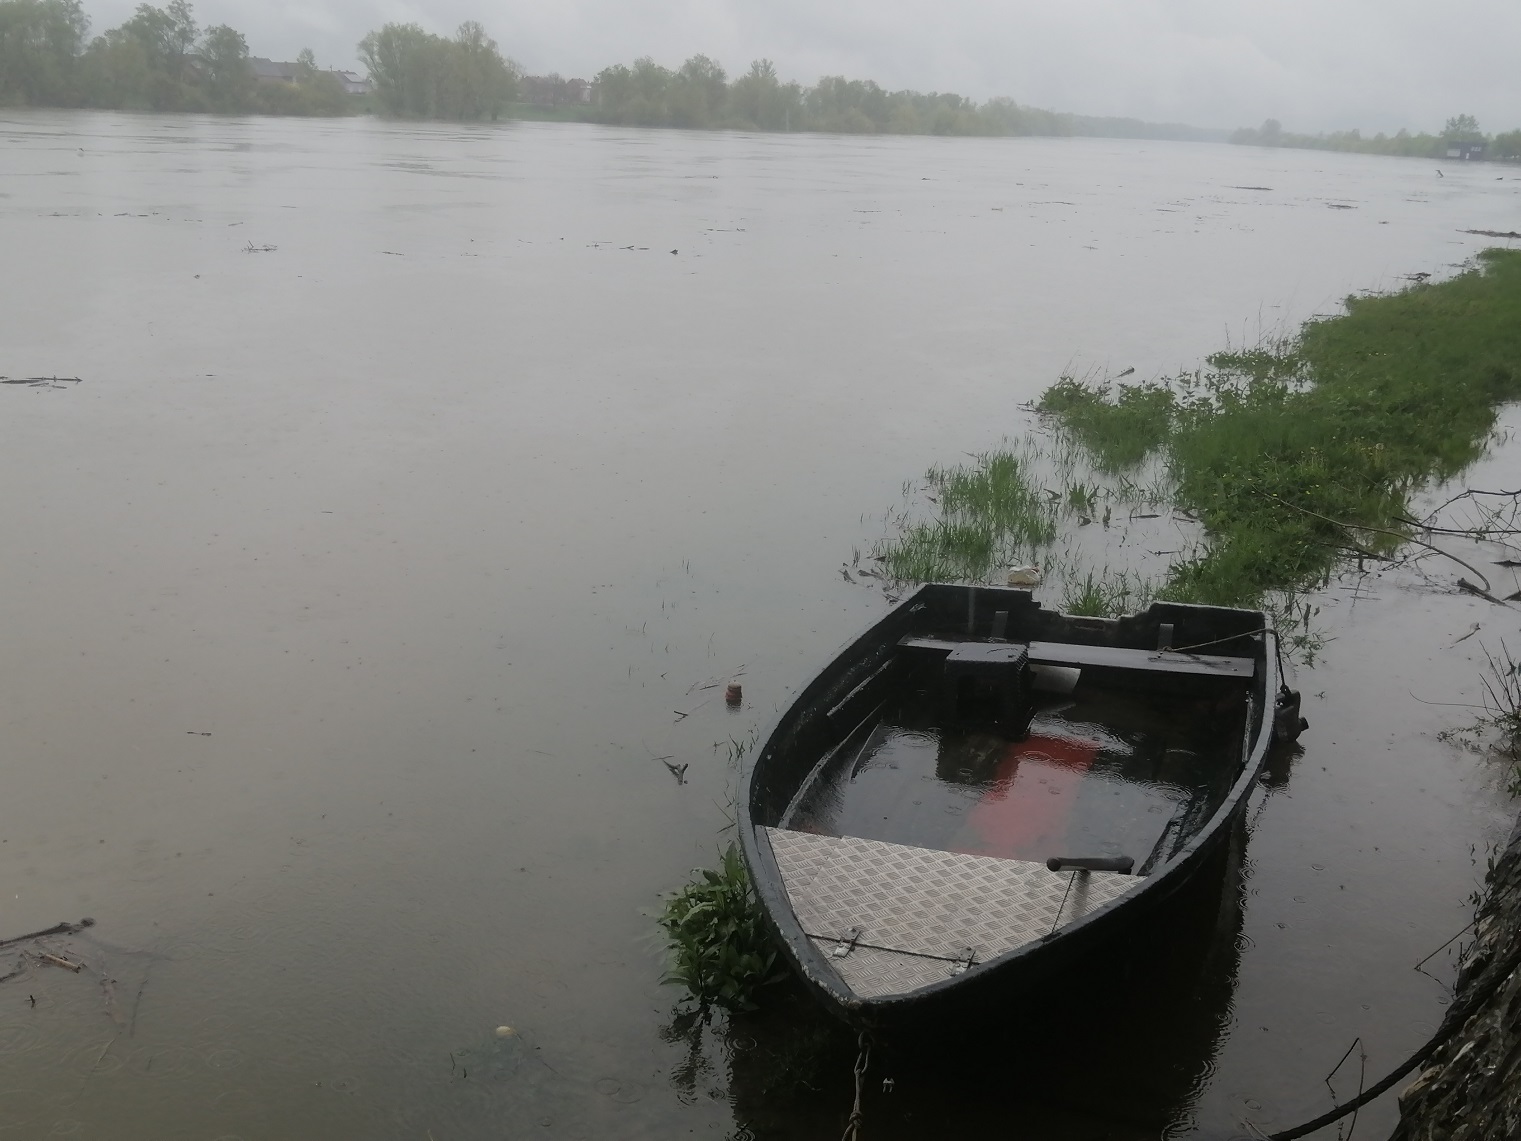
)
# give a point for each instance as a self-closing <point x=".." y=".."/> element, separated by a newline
<point x="1118" y="432"/>
<point x="720" y="947"/>
<point x="1105" y="595"/>
<point x="1502" y="709"/>
<point x="989" y="512"/>
<point x="1298" y="453"/>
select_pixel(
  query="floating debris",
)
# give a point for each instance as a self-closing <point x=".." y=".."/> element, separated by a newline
<point x="40" y="381"/>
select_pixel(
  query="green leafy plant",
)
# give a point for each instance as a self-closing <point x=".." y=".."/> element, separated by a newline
<point x="721" y="950"/>
<point x="1502" y="709"/>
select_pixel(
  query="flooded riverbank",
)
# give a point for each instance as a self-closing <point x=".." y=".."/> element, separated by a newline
<point x="397" y="472"/>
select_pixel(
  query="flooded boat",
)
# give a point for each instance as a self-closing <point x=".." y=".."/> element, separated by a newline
<point x="979" y="790"/>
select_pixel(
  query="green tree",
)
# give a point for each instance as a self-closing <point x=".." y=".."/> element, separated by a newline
<point x="1462" y="129"/>
<point x="1508" y="145"/>
<point x="40" y="45"/>
<point x="167" y="35"/>
<point x="421" y="75"/>
<point x="698" y="93"/>
<point x="228" y="75"/>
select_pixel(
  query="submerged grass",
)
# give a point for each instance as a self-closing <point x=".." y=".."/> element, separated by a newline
<point x="989" y="512"/>
<point x="1107" y="594"/>
<point x="1300" y="452"/>
<point x="1288" y="457"/>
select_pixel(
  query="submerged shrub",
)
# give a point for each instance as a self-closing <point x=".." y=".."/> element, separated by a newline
<point x="721" y="949"/>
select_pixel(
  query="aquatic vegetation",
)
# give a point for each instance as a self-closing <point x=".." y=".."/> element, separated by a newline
<point x="1106" y="595"/>
<point x="1502" y="709"/>
<point x="721" y="950"/>
<point x="1302" y="451"/>
<point x="989" y="513"/>
<point x="1118" y="432"/>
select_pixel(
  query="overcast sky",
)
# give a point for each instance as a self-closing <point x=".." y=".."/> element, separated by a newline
<point x="1314" y="64"/>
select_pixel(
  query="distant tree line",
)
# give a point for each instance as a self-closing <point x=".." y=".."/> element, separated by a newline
<point x="159" y="60"/>
<point x="1457" y="132"/>
<point x="700" y="94"/>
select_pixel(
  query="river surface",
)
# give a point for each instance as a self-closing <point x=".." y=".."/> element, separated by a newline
<point x="420" y="483"/>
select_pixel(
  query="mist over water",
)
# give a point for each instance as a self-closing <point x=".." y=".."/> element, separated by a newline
<point x="420" y="480"/>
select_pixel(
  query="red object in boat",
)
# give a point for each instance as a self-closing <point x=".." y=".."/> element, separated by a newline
<point x="1024" y="815"/>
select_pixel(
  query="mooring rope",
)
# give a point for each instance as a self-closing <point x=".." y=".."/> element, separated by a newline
<point x="863" y="1059"/>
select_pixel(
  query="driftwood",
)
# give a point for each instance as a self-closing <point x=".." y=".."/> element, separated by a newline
<point x="56" y="929"/>
<point x="60" y="961"/>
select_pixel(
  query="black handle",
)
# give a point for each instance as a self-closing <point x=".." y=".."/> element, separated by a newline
<point x="1121" y="864"/>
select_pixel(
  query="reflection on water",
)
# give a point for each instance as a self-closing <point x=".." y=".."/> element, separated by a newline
<point x="357" y="591"/>
<point x="1106" y="772"/>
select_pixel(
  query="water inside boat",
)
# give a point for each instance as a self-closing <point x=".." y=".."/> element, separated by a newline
<point x="1105" y="771"/>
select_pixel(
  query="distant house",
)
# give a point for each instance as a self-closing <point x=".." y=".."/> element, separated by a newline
<point x="268" y="71"/>
<point x="353" y="82"/>
<point x="1465" y="151"/>
<point x="553" y="91"/>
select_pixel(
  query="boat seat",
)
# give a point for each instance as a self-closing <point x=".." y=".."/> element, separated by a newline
<point x="891" y="918"/>
<point x="1104" y="657"/>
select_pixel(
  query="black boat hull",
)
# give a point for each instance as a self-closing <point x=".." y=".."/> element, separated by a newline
<point x="847" y="692"/>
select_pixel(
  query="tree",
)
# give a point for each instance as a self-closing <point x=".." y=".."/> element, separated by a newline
<point x="306" y="65"/>
<point x="40" y="45"/>
<point x="228" y="74"/>
<point x="166" y="34"/>
<point x="421" y="75"/>
<point x="1508" y="145"/>
<point x="1462" y="129"/>
<point x="699" y="93"/>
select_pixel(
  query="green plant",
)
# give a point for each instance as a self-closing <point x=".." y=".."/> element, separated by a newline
<point x="1106" y="595"/>
<point x="721" y="949"/>
<point x="1305" y="450"/>
<point x="1502" y="709"/>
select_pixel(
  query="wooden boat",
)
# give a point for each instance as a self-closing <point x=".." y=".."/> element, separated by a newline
<point x="978" y="790"/>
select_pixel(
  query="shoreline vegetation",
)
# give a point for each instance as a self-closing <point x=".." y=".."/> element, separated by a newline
<point x="1282" y="461"/>
<point x="1460" y="138"/>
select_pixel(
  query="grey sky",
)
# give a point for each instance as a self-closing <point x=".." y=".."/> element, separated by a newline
<point x="1314" y="64"/>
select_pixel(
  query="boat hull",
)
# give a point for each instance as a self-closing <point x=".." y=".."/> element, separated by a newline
<point x="843" y="700"/>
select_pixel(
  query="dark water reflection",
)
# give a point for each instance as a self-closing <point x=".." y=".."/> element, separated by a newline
<point x="1121" y="1046"/>
<point x="354" y="595"/>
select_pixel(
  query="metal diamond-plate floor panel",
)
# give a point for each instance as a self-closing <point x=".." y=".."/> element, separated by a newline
<point x="922" y="908"/>
<point x="872" y="972"/>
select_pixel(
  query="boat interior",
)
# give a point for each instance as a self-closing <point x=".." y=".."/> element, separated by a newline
<point x="997" y="791"/>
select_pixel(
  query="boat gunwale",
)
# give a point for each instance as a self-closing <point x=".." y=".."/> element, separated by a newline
<point x="1153" y="889"/>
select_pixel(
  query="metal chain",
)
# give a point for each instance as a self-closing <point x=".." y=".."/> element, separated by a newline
<point x="863" y="1059"/>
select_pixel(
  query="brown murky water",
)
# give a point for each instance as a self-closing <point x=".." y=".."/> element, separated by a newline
<point x="404" y="514"/>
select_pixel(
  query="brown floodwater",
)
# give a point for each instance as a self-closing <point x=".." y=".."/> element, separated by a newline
<point x="422" y="482"/>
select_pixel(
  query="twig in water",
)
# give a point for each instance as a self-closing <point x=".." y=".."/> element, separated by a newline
<point x="56" y="929"/>
<point x="1381" y="531"/>
<point x="1466" y="927"/>
<point x="1469" y="588"/>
